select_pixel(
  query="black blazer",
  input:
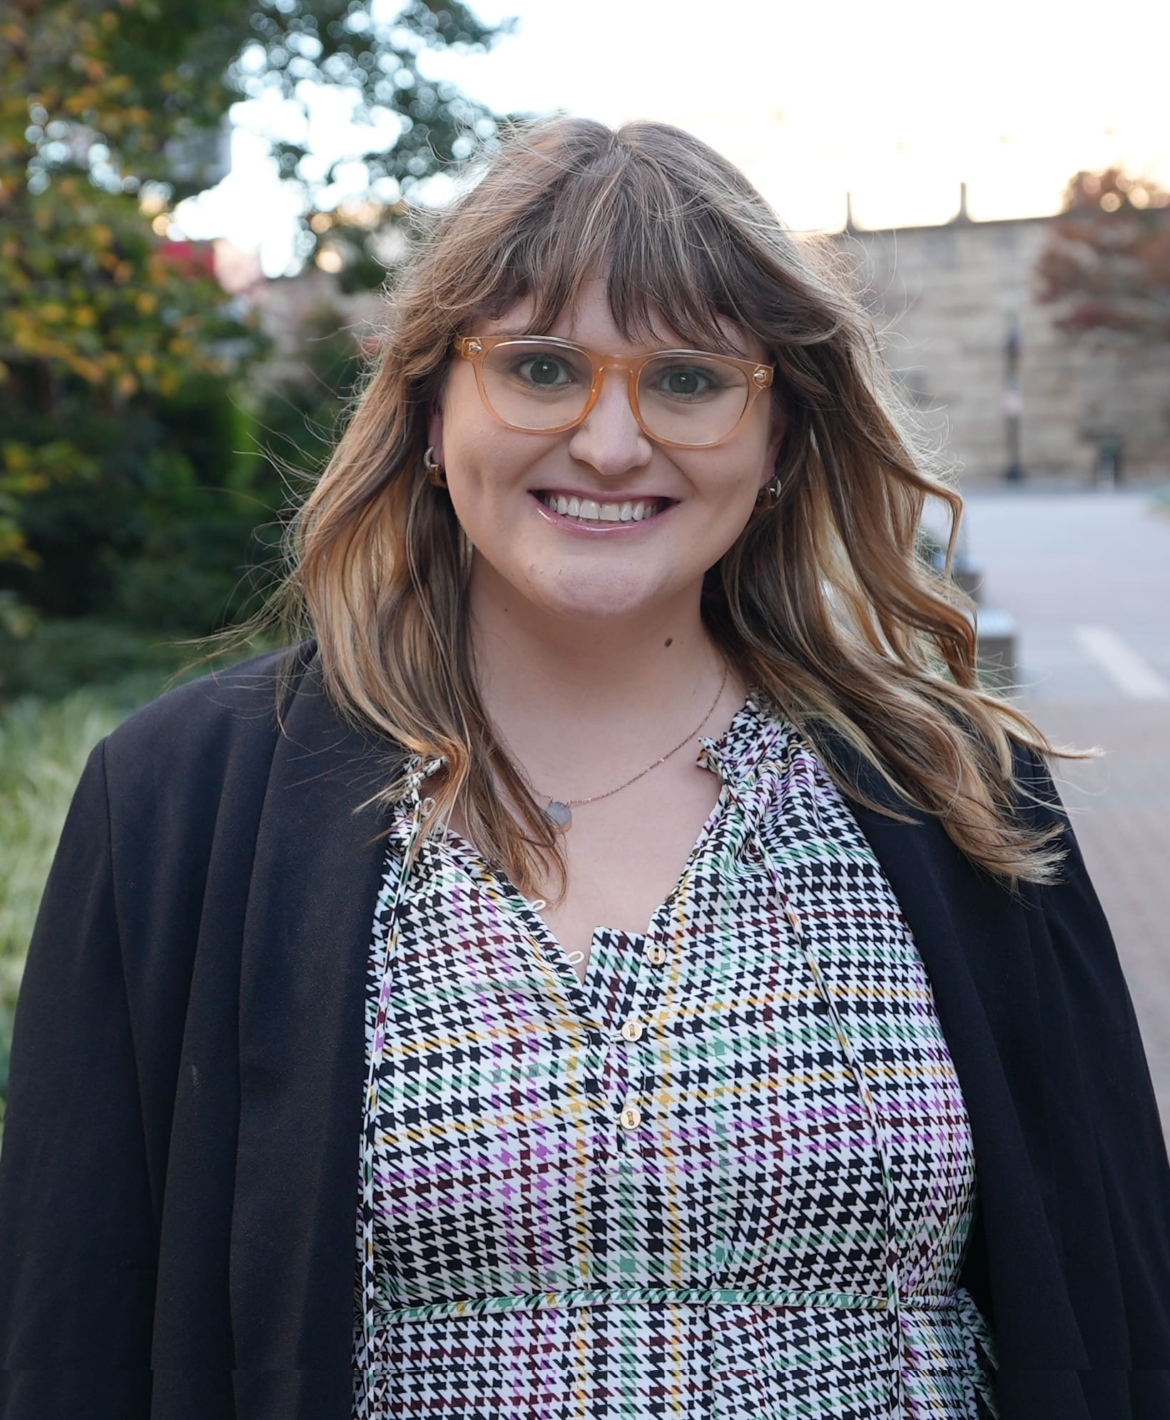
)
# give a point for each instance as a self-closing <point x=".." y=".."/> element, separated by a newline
<point x="178" y="1184"/>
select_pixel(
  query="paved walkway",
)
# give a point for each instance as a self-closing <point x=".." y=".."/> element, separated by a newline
<point x="1087" y="577"/>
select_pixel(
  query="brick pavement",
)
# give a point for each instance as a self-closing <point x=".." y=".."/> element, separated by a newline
<point x="1120" y="808"/>
<point x="1059" y="562"/>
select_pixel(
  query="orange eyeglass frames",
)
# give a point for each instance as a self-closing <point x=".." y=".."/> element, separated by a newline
<point x="544" y="385"/>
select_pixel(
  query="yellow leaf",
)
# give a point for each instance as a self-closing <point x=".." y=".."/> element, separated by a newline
<point x="89" y="370"/>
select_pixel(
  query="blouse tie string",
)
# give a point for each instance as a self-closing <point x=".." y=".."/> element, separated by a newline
<point x="413" y="780"/>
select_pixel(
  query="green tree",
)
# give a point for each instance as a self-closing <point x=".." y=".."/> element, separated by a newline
<point x="1107" y="258"/>
<point x="106" y="329"/>
<point x="125" y="473"/>
<point x="416" y="126"/>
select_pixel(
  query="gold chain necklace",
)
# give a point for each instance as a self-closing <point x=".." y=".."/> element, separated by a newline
<point x="559" y="812"/>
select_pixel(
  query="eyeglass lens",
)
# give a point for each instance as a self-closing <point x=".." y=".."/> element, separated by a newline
<point x="686" y="399"/>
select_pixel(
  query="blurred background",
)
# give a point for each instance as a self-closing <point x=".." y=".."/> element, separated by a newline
<point x="200" y="204"/>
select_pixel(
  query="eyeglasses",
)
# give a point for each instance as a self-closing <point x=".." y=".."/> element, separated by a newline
<point x="543" y="385"/>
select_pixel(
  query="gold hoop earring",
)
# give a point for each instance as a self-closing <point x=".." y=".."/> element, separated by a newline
<point x="433" y="470"/>
<point x="769" y="495"/>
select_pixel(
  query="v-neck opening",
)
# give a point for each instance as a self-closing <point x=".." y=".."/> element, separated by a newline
<point x="719" y="757"/>
<point x="586" y="990"/>
<point x="467" y="850"/>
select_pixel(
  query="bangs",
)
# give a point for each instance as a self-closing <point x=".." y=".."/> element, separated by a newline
<point x="662" y="248"/>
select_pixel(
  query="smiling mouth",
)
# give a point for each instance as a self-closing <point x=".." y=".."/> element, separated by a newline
<point x="631" y="510"/>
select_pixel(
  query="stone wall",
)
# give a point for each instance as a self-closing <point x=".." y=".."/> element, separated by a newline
<point x="945" y="299"/>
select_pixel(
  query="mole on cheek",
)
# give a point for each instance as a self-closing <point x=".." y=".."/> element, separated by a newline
<point x="670" y="641"/>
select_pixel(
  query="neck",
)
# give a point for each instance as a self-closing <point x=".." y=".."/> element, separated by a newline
<point x="575" y="695"/>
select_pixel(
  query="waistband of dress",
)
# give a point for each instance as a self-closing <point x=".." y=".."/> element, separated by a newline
<point x="677" y="1296"/>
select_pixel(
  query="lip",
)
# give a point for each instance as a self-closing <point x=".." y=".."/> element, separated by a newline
<point x="595" y="529"/>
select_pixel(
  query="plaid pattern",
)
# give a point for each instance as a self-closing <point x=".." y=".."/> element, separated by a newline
<point x="753" y="1200"/>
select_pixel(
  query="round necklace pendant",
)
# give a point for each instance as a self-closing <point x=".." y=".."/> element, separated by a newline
<point x="559" y="815"/>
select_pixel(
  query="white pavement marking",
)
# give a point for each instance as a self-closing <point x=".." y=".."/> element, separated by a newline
<point x="1133" y="676"/>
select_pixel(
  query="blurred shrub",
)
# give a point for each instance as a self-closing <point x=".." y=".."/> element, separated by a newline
<point x="151" y="516"/>
<point x="58" y="657"/>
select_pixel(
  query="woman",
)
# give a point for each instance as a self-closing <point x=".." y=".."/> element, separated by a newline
<point x="741" y="1034"/>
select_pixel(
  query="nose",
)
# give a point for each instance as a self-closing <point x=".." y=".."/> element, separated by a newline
<point x="608" y="438"/>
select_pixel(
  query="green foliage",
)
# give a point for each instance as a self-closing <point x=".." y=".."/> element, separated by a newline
<point x="108" y="85"/>
<point x="133" y="479"/>
<point x="1107" y="260"/>
<point x="153" y="513"/>
<point x="106" y="330"/>
<point x="101" y="333"/>
<point x="57" y="657"/>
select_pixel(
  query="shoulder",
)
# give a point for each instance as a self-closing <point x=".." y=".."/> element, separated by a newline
<point x="229" y="713"/>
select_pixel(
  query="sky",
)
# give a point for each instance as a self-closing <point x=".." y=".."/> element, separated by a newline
<point x="894" y="103"/>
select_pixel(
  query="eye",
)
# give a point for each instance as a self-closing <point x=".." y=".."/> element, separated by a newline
<point x="687" y="382"/>
<point x="544" y="371"/>
<point x="684" y="382"/>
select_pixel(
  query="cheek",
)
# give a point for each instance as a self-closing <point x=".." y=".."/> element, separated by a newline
<point x="728" y="486"/>
<point x="489" y="472"/>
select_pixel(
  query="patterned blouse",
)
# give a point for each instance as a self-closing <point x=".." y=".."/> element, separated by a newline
<point x="729" y="1175"/>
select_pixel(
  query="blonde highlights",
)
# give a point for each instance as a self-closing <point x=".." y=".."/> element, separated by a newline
<point x="823" y="603"/>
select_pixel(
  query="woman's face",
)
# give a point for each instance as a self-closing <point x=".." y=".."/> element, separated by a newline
<point x="591" y="570"/>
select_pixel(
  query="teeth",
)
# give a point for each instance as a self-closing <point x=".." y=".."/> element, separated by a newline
<point x="627" y="512"/>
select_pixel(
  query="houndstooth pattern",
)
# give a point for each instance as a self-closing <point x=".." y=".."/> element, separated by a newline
<point x="780" y="1235"/>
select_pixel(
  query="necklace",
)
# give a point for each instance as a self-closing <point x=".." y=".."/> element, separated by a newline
<point x="559" y="812"/>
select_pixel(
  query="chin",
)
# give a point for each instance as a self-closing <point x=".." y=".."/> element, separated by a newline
<point x="606" y="595"/>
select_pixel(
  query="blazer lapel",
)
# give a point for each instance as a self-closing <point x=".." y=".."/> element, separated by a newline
<point x="310" y="912"/>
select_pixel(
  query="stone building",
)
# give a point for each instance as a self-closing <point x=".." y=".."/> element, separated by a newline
<point x="950" y="300"/>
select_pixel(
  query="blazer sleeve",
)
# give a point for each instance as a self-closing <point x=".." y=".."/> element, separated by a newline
<point x="77" y="1244"/>
<point x="1114" y="1073"/>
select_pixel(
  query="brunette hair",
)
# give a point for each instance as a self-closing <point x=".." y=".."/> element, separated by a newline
<point x="824" y="603"/>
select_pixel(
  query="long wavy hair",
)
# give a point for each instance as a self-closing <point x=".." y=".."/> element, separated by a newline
<point x="824" y="603"/>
